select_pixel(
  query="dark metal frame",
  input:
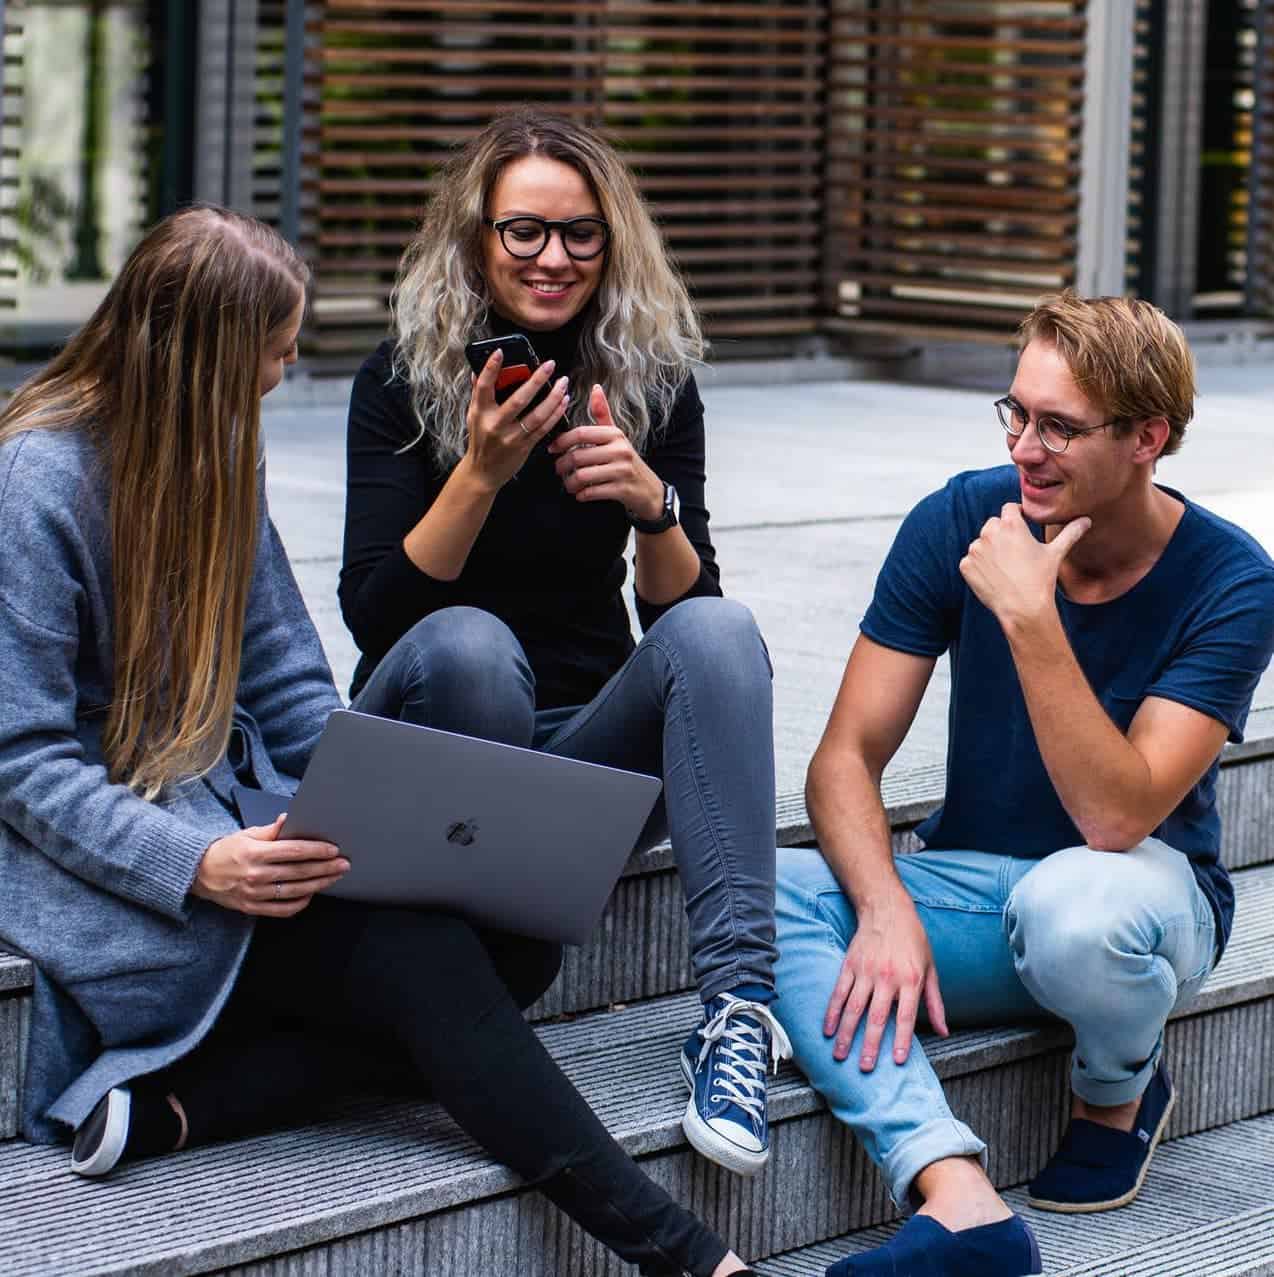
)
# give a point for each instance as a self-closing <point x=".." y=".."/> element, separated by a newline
<point x="1152" y="113"/>
<point x="174" y="103"/>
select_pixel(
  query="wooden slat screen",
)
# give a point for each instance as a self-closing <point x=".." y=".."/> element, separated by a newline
<point x="953" y="161"/>
<point x="1260" y="264"/>
<point x="10" y="121"/>
<point x="1229" y="158"/>
<point x="719" y="106"/>
<point x="267" y="134"/>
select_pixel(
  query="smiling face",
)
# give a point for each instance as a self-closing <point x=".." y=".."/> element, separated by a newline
<point x="1094" y="472"/>
<point x="540" y="293"/>
<point x="280" y="350"/>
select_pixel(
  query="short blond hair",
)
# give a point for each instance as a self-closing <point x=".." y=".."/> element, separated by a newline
<point x="1126" y="355"/>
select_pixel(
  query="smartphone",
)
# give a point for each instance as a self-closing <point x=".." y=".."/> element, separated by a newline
<point x="519" y="362"/>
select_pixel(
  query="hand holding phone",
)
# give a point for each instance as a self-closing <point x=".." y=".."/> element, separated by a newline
<point x="511" y="409"/>
<point x="520" y="361"/>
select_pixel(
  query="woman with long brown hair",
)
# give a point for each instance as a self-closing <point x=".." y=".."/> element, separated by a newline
<point x="192" y="981"/>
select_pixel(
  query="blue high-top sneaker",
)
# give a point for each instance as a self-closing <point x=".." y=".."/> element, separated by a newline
<point x="725" y="1062"/>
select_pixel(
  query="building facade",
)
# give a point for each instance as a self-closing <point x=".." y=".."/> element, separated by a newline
<point x="823" y="169"/>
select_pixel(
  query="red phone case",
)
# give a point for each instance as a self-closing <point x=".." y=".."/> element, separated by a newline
<point x="510" y="378"/>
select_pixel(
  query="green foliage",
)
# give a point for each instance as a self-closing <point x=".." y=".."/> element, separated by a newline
<point x="43" y="212"/>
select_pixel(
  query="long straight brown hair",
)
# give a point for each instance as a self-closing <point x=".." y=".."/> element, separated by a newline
<point x="165" y="379"/>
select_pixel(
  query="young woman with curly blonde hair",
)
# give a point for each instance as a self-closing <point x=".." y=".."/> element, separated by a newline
<point x="485" y="543"/>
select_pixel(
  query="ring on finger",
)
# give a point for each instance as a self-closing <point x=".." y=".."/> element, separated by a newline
<point x="278" y="891"/>
<point x="523" y="429"/>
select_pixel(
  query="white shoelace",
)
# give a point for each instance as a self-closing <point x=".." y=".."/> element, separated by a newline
<point x="739" y="1071"/>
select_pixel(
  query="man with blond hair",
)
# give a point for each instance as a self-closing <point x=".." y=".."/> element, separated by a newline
<point x="1105" y="635"/>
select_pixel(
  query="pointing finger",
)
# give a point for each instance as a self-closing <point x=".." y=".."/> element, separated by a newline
<point x="599" y="408"/>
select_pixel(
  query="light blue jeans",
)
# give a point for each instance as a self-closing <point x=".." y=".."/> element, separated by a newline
<point x="1108" y="942"/>
<point x="693" y="705"/>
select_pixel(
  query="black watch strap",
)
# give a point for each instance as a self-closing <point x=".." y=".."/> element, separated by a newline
<point x="668" y="519"/>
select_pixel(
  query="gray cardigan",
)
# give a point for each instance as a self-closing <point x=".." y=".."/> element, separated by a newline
<point x="132" y="970"/>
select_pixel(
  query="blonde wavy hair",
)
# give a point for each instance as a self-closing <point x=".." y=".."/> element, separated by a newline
<point x="639" y="336"/>
<point x="165" y="379"/>
<point x="1126" y="356"/>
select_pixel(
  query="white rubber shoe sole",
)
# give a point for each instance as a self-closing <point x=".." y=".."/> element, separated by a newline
<point x="710" y="1143"/>
<point x="99" y="1141"/>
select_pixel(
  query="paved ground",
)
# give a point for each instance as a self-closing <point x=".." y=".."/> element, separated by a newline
<point x="807" y="486"/>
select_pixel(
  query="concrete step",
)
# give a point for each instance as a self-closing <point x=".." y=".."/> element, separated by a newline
<point x="15" y="1013"/>
<point x="395" y="1187"/>
<point x="1205" y="1211"/>
<point x="641" y="946"/>
<point x="641" y="949"/>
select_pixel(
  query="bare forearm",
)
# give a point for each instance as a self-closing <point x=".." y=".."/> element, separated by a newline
<point x="440" y="543"/>
<point x="667" y="565"/>
<point x="888" y="960"/>
<point x="1102" y="780"/>
<point x="842" y="795"/>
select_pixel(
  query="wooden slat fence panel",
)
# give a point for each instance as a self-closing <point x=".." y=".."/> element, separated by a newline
<point x="267" y="134"/>
<point x="11" y="90"/>
<point x="719" y="107"/>
<point x="953" y="161"/>
<point x="1260" y="263"/>
<point x="1235" y="80"/>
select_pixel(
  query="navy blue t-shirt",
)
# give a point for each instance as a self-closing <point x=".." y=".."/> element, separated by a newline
<point x="1198" y="628"/>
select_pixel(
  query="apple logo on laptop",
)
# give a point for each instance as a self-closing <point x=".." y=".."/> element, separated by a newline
<point x="462" y="832"/>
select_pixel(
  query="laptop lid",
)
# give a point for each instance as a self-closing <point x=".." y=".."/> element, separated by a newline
<point x="519" y="839"/>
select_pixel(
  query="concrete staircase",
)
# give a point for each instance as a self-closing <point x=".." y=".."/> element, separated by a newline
<point x="389" y="1188"/>
<point x="1208" y="1212"/>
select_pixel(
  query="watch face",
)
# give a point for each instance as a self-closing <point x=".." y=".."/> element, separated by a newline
<point x="667" y="518"/>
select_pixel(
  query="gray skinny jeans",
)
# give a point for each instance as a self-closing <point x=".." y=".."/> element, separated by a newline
<point x="692" y="705"/>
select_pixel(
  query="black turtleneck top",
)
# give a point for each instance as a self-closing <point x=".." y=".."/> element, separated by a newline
<point x="547" y="565"/>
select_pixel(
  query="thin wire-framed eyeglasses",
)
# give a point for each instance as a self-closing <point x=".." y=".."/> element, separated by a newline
<point x="583" y="238"/>
<point x="1055" y="434"/>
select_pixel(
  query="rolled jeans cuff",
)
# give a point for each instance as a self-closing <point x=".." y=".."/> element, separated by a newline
<point x="1123" y="1091"/>
<point x="943" y="1137"/>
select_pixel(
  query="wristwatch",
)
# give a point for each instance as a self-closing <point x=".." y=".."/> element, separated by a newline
<point x="668" y="519"/>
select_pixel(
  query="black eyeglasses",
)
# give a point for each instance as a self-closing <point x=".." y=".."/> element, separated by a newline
<point x="1055" y="434"/>
<point x="583" y="238"/>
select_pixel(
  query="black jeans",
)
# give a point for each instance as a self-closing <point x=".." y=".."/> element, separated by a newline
<point x="347" y="997"/>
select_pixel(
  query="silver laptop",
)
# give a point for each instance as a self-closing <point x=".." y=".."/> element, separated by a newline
<point x="521" y="840"/>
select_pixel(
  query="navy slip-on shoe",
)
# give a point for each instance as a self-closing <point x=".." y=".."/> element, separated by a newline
<point x="1097" y="1168"/>
<point x="922" y="1247"/>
